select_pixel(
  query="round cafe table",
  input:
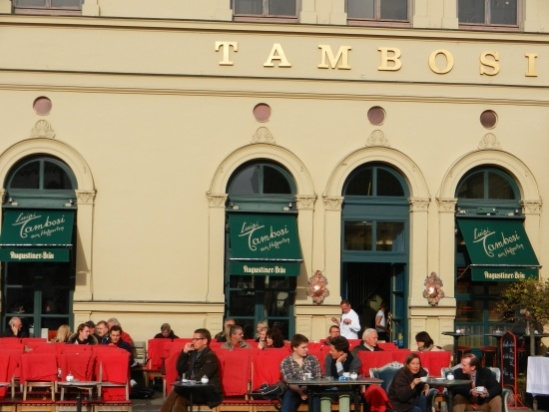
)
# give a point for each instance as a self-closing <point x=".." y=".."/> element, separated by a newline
<point x="79" y="385"/>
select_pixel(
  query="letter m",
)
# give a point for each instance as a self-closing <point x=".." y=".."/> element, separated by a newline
<point x="329" y="61"/>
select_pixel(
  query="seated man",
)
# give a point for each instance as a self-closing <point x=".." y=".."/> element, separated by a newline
<point x="82" y="336"/>
<point x="166" y="332"/>
<point x="369" y="342"/>
<point x="224" y="334"/>
<point x="195" y="361"/>
<point x="16" y="329"/>
<point x="115" y="334"/>
<point x="102" y="332"/>
<point x="332" y="333"/>
<point x="236" y="339"/>
<point x="488" y="399"/>
<point x="125" y="335"/>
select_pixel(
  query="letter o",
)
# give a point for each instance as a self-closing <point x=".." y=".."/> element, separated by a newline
<point x="449" y="61"/>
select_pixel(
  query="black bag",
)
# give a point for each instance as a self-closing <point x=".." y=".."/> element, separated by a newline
<point x="268" y="392"/>
<point x="141" y="393"/>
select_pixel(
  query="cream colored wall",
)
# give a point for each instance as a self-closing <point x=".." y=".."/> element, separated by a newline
<point x="162" y="128"/>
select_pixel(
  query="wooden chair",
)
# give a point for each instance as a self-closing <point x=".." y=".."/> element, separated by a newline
<point x="236" y="374"/>
<point x="113" y="370"/>
<point x="39" y="370"/>
<point x="81" y="365"/>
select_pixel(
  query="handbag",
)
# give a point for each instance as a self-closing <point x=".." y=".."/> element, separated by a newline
<point x="268" y="392"/>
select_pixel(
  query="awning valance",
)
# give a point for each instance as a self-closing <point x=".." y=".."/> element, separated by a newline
<point x="36" y="235"/>
<point x="499" y="249"/>
<point x="264" y="244"/>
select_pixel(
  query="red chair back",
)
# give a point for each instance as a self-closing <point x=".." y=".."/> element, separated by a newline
<point x="400" y="355"/>
<point x="319" y="351"/>
<point x="435" y="361"/>
<point x="171" y="371"/>
<point x="373" y="360"/>
<point x="38" y="367"/>
<point x="5" y="375"/>
<point x="266" y="366"/>
<point x="80" y="364"/>
<point x="387" y="346"/>
<point x="236" y="373"/>
<point x="113" y="366"/>
<point x="156" y="352"/>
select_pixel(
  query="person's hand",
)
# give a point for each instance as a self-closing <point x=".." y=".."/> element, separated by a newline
<point x="415" y="382"/>
<point x="347" y="321"/>
<point x="342" y="358"/>
<point x="303" y="393"/>
<point x="188" y="347"/>
<point x="334" y="319"/>
<point x="261" y="344"/>
<point x="482" y="394"/>
<point x="426" y="389"/>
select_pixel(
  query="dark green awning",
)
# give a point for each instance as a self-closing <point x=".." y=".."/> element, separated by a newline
<point x="264" y="244"/>
<point x="499" y="249"/>
<point x="36" y="235"/>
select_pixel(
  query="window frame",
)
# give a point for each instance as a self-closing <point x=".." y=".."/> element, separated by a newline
<point x="47" y="9"/>
<point x="487" y="26"/>
<point x="377" y="20"/>
<point x="265" y="16"/>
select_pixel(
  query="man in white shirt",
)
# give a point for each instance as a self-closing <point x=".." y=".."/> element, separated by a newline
<point x="349" y="323"/>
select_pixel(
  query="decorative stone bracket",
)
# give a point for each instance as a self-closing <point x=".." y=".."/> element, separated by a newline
<point x="317" y="288"/>
<point x="433" y="289"/>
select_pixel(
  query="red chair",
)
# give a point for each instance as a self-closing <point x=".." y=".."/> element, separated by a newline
<point x="14" y="366"/>
<point x="400" y="355"/>
<point x="7" y="367"/>
<point x="266" y="366"/>
<point x="236" y="372"/>
<point x="113" y="370"/>
<point x="387" y="346"/>
<point x="79" y="364"/>
<point x="39" y="370"/>
<point x="320" y="351"/>
<point x="171" y="373"/>
<point x="434" y="362"/>
<point x="373" y="360"/>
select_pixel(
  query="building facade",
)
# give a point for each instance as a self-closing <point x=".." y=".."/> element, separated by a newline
<point x="182" y="161"/>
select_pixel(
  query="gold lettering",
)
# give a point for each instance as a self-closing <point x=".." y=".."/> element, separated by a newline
<point x="394" y="59"/>
<point x="433" y="61"/>
<point x="225" y="46"/>
<point x="531" y="72"/>
<point x="341" y="60"/>
<point x="489" y="60"/>
<point x="277" y="53"/>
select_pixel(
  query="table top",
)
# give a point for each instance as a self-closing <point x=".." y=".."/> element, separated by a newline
<point x="81" y="384"/>
<point x="2" y="384"/>
<point x="456" y="334"/>
<point x="334" y="382"/>
<point x="447" y="383"/>
<point x="191" y="384"/>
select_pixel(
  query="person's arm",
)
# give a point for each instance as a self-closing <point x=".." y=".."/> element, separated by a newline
<point x="491" y="384"/>
<point x="355" y="364"/>
<point x="378" y="322"/>
<point x="355" y="322"/>
<point x="210" y="367"/>
<point x="403" y="390"/>
<point x="182" y="364"/>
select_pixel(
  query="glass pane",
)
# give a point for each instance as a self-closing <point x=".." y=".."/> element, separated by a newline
<point x="31" y="3"/>
<point x="394" y="9"/>
<point x="27" y="177"/>
<point x="360" y="9"/>
<point x="242" y="302"/>
<point x="358" y="235"/>
<point x="282" y="8"/>
<point x="390" y="236"/>
<point x="469" y="311"/>
<point x="66" y="4"/>
<point x="472" y="187"/>
<point x="275" y="182"/>
<point x="499" y="187"/>
<point x="503" y="12"/>
<point x="471" y="11"/>
<point x="248" y="7"/>
<point x="361" y="183"/>
<point x="55" y="177"/>
<point x="246" y="182"/>
<point x="388" y="184"/>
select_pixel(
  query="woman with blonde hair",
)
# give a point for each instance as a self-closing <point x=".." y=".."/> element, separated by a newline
<point x="63" y="333"/>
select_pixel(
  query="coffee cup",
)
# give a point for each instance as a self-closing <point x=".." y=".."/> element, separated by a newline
<point x="423" y="379"/>
<point x="480" y="388"/>
<point x="307" y="376"/>
<point x="450" y="376"/>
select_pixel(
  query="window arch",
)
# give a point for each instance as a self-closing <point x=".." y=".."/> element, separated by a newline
<point x="40" y="181"/>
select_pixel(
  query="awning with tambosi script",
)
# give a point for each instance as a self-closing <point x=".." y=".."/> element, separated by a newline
<point x="264" y="244"/>
<point x="499" y="249"/>
<point x="36" y="235"/>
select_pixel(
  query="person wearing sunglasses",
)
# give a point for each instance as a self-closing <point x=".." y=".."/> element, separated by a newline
<point x="196" y="361"/>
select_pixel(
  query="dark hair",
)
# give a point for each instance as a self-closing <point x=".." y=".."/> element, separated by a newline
<point x="276" y="335"/>
<point x="298" y="339"/>
<point x="411" y="357"/>
<point x="81" y="327"/>
<point x="333" y="327"/>
<point x="115" y="328"/>
<point x="345" y="302"/>
<point x="340" y="344"/>
<point x="473" y="360"/>
<point x="234" y="329"/>
<point x="425" y="338"/>
<point x="205" y="333"/>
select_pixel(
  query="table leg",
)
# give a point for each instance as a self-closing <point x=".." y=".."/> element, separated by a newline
<point x="450" y="401"/>
<point x="78" y="400"/>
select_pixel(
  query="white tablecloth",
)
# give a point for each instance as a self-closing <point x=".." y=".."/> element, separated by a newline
<point x="537" y="378"/>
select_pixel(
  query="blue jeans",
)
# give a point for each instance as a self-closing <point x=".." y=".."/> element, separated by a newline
<point x="291" y="400"/>
<point x="420" y="405"/>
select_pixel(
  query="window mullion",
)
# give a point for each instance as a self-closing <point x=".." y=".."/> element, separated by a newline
<point x="487" y="12"/>
<point x="377" y="12"/>
<point x="266" y="10"/>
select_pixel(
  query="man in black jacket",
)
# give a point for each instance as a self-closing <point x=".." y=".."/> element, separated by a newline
<point x="196" y="361"/>
<point x="488" y="399"/>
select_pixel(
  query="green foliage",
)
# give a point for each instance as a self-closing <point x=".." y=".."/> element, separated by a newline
<point x="531" y="293"/>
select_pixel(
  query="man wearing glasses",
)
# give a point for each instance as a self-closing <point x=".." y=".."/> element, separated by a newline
<point x="196" y="361"/>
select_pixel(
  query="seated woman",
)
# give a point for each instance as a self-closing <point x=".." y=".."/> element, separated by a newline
<point x="407" y="391"/>
<point x="425" y="343"/>
<point x="336" y="363"/>
<point x="273" y="339"/>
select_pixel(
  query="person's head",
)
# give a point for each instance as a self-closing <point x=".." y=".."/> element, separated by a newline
<point x="334" y="331"/>
<point x="227" y="325"/>
<point x="469" y="363"/>
<point x="113" y="321"/>
<point x="345" y="306"/>
<point x="423" y="340"/>
<point x="370" y="337"/>
<point x="274" y="338"/>
<point x="63" y="333"/>
<point x="102" y="328"/>
<point x="115" y="333"/>
<point x="91" y="325"/>
<point x="236" y="334"/>
<point x="165" y="329"/>
<point x="83" y="331"/>
<point x="528" y="312"/>
<point x="383" y="306"/>
<point x="338" y="346"/>
<point x="413" y="363"/>
<point x="16" y="323"/>
<point x="262" y="335"/>
<point x="263" y="324"/>
<point x="299" y="345"/>
<point x="201" y="338"/>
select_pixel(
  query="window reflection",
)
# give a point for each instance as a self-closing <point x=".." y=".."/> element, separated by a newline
<point x="358" y="235"/>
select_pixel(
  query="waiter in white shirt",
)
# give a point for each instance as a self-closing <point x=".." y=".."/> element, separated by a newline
<point x="349" y="324"/>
